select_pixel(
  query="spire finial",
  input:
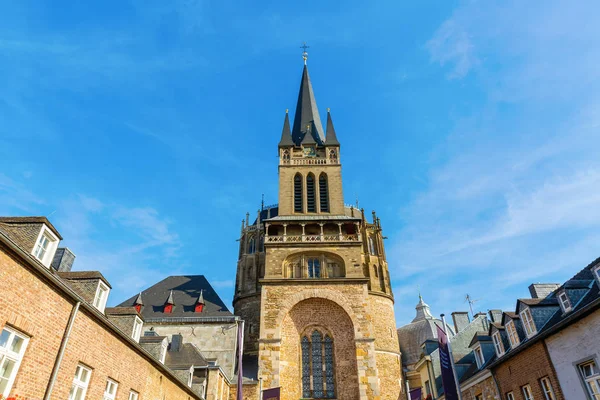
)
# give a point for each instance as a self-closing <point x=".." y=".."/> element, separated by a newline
<point x="287" y="110"/>
<point x="304" y="54"/>
<point x="328" y="109"/>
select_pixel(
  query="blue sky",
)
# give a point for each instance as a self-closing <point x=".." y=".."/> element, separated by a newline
<point x="146" y="129"/>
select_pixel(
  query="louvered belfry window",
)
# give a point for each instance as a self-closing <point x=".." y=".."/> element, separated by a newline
<point x="310" y="193"/>
<point x="298" y="193"/>
<point x="323" y="193"/>
<point x="318" y="377"/>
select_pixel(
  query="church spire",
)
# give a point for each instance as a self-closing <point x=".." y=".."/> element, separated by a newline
<point x="330" y="138"/>
<point x="307" y="114"/>
<point x="422" y="311"/>
<point x="286" y="133"/>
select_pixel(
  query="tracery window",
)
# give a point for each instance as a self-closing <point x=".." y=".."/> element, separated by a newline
<point x="372" y="249"/>
<point x="251" y="246"/>
<point x="298" y="193"/>
<point x="310" y="193"/>
<point x="332" y="155"/>
<point x="318" y="374"/>
<point x="323" y="193"/>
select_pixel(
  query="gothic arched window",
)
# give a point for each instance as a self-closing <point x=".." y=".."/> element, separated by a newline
<point x="372" y="249"/>
<point x="332" y="156"/>
<point x="314" y="268"/>
<point x="323" y="193"/>
<point x="317" y="363"/>
<point x="298" y="193"/>
<point x="310" y="193"/>
<point x="251" y="246"/>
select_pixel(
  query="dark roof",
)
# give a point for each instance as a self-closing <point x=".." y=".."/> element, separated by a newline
<point x="498" y="325"/>
<point x="121" y="311"/>
<point x="80" y="275"/>
<point x="548" y="301"/>
<point x="307" y="113"/>
<point x="286" y="133"/>
<point x="330" y="136"/>
<point x="151" y="339"/>
<point x="480" y="337"/>
<point x="186" y="356"/>
<point x="186" y="290"/>
<point x="31" y="220"/>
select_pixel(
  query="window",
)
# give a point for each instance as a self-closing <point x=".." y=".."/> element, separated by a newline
<point x="163" y="352"/>
<point x="317" y="366"/>
<point x="510" y="396"/>
<point x="479" y="397"/>
<point x="479" y="356"/>
<point x="310" y="193"/>
<point x="565" y="304"/>
<point x="80" y="383"/>
<point x="372" y="246"/>
<point x="323" y="193"/>
<point x="527" y="395"/>
<point x="137" y="329"/>
<point x="547" y="389"/>
<point x="111" y="390"/>
<point x="45" y="246"/>
<point x="12" y="348"/>
<point x="298" y="193"/>
<point x="513" y="336"/>
<point x="133" y="395"/>
<point x="314" y="268"/>
<point x="528" y="322"/>
<point x="498" y="343"/>
<point x="597" y="272"/>
<point x="591" y="376"/>
<point x="101" y="296"/>
<point x="428" y="388"/>
<point x="251" y="246"/>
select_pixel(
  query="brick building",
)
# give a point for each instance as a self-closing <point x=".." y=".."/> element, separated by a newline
<point x="56" y="341"/>
<point x="312" y="280"/>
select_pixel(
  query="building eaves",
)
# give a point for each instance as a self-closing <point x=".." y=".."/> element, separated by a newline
<point x="82" y="275"/>
<point x="31" y="220"/>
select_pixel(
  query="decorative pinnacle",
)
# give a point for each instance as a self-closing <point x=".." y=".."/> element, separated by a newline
<point x="286" y="110"/>
<point x="328" y="109"/>
<point x="304" y="54"/>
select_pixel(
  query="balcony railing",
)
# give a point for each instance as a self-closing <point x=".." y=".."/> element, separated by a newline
<point x="311" y="238"/>
<point x="310" y="161"/>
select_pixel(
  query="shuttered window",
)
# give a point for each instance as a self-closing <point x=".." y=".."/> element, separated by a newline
<point x="310" y="193"/>
<point x="323" y="193"/>
<point x="298" y="193"/>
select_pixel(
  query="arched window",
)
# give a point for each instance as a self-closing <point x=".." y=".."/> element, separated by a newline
<point x="286" y="155"/>
<point x="298" y="193"/>
<point x="261" y="244"/>
<point x="323" y="193"/>
<point x="317" y="363"/>
<point x="251" y="246"/>
<point x="372" y="249"/>
<point x="314" y="268"/>
<point x="310" y="193"/>
<point x="332" y="156"/>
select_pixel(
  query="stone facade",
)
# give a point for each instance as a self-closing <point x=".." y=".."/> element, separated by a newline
<point x="37" y="304"/>
<point x="482" y="385"/>
<point x="571" y="346"/>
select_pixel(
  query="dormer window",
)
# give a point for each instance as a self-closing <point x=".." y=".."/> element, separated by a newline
<point x="199" y="303"/>
<point x="513" y="336"/>
<point x="137" y="329"/>
<point x="168" y="308"/>
<point x="597" y="273"/>
<point x="101" y="296"/>
<point x="498" y="346"/>
<point x="564" y="301"/>
<point x="528" y="323"/>
<point x="479" y="356"/>
<point x="45" y="246"/>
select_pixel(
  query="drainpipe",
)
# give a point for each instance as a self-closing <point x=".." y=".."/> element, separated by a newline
<point x="61" y="351"/>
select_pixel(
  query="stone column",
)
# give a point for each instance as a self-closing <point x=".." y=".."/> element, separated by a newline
<point x="321" y="225"/>
<point x="284" y="232"/>
<point x="340" y="234"/>
<point x="267" y="232"/>
<point x="303" y="234"/>
<point x="359" y="235"/>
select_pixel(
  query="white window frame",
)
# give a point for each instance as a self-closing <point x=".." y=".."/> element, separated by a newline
<point x="479" y="356"/>
<point x="7" y="355"/>
<point x="527" y="393"/>
<point x="510" y="396"/>
<point x="547" y="388"/>
<point x="163" y="352"/>
<point x="513" y="335"/>
<point x="99" y="302"/>
<point x="596" y="270"/>
<point x="78" y="383"/>
<point x="133" y="395"/>
<point x="110" y="383"/>
<point x="564" y="301"/>
<point x="50" y="250"/>
<point x="591" y="382"/>
<point x="498" y="345"/>
<point x="528" y="323"/>
<point x="137" y="329"/>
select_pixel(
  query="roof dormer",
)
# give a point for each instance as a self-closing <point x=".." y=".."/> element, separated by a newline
<point x="45" y="246"/>
<point x="138" y="303"/>
<point x="199" y="306"/>
<point x="168" y="307"/>
<point x="528" y="322"/>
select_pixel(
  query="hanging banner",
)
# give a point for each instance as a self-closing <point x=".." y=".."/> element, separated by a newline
<point x="448" y="381"/>
<point x="271" y="394"/>
<point x="416" y="394"/>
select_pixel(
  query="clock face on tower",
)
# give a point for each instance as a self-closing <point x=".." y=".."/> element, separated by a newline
<point x="310" y="152"/>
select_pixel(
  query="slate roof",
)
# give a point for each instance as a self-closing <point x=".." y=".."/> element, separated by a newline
<point x="286" y="133"/>
<point x="307" y="113"/>
<point x="79" y="275"/>
<point x="120" y="311"/>
<point x="185" y="357"/>
<point x="186" y="290"/>
<point x="480" y="337"/>
<point x="330" y="136"/>
<point x="31" y="220"/>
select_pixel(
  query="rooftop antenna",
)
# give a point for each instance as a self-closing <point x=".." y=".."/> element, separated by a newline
<point x="471" y="301"/>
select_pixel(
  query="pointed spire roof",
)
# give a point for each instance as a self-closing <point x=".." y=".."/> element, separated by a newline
<point x="330" y="138"/>
<point x="138" y="300"/>
<point x="286" y="133"/>
<point x="423" y="311"/>
<point x="307" y="113"/>
<point x="170" y="298"/>
<point x="200" y="298"/>
<point x="308" y="136"/>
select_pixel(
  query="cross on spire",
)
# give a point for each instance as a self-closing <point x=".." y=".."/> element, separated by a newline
<point x="305" y="54"/>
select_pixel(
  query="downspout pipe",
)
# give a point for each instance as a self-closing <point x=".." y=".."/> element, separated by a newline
<point x="61" y="351"/>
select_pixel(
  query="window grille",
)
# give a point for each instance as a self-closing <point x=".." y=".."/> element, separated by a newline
<point x="323" y="193"/>
<point x="317" y="363"/>
<point x="298" y="193"/>
<point x="310" y="193"/>
<point x="314" y="268"/>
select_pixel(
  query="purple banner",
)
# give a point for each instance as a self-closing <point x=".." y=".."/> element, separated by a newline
<point x="448" y="381"/>
<point x="416" y="394"/>
<point x="271" y="394"/>
<point x="240" y="390"/>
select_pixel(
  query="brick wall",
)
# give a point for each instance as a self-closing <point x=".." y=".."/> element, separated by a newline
<point x="527" y="367"/>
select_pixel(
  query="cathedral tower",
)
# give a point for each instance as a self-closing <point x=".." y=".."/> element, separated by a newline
<point x="312" y="281"/>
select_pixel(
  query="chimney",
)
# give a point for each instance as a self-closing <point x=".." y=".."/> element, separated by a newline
<point x="176" y="342"/>
<point x="461" y="320"/>
<point x="542" y="290"/>
<point x="495" y="315"/>
<point x="63" y="260"/>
